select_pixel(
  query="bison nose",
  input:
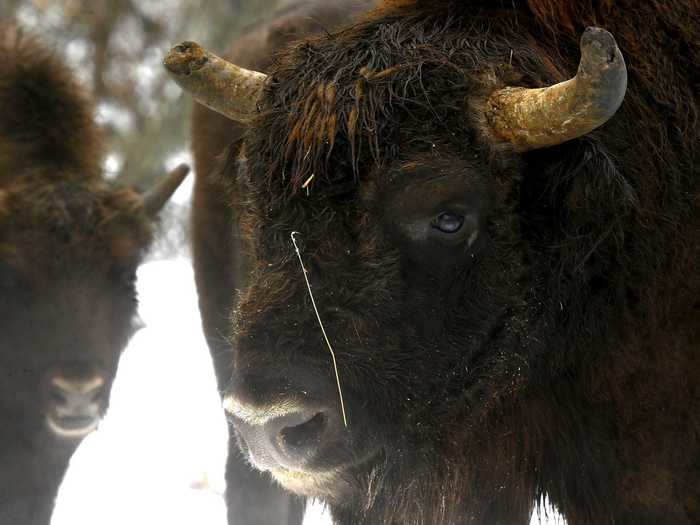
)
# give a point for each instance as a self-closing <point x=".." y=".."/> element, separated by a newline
<point x="284" y="435"/>
<point x="75" y="404"/>
<point x="297" y="436"/>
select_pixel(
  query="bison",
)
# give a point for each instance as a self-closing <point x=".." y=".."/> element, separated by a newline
<point x="472" y="234"/>
<point x="69" y="248"/>
<point x="221" y="268"/>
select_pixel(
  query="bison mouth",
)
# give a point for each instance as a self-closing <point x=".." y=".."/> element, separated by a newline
<point x="306" y="450"/>
<point x="288" y="447"/>
<point x="72" y="427"/>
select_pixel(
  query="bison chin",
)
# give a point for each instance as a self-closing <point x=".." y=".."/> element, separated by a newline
<point x="72" y="428"/>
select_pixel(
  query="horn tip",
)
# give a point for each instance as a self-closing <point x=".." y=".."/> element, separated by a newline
<point x="185" y="58"/>
<point x="155" y="199"/>
<point x="179" y="173"/>
<point x="182" y="169"/>
<point x="600" y="45"/>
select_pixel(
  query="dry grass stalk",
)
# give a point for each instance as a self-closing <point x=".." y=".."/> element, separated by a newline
<point x="323" y="330"/>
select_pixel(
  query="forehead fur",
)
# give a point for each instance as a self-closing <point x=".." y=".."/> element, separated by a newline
<point x="402" y="82"/>
<point x="90" y="221"/>
<point x="560" y="14"/>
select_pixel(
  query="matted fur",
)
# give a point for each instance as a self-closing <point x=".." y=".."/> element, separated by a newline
<point x="562" y="358"/>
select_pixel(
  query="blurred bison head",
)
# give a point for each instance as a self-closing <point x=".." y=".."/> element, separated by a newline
<point x="68" y="257"/>
<point x="69" y="248"/>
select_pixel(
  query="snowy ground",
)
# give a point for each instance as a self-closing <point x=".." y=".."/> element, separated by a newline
<point x="158" y="456"/>
<point x="164" y="433"/>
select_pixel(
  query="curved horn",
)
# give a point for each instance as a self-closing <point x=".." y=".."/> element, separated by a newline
<point x="537" y="118"/>
<point x="215" y="83"/>
<point x="154" y="199"/>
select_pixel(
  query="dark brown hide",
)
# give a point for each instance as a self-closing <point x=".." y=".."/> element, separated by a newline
<point x="218" y="252"/>
<point x="548" y="346"/>
<point x="69" y="247"/>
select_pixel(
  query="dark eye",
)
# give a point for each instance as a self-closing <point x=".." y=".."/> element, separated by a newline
<point x="448" y="222"/>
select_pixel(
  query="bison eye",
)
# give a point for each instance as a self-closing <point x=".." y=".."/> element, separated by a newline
<point x="448" y="222"/>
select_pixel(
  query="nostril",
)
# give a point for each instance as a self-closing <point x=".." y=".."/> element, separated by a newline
<point x="307" y="435"/>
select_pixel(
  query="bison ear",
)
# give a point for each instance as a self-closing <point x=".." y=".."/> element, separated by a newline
<point x="153" y="200"/>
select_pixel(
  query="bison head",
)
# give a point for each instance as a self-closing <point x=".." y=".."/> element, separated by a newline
<point x="371" y="361"/>
<point x="68" y="257"/>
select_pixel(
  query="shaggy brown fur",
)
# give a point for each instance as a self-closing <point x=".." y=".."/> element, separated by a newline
<point x="218" y="251"/>
<point x="69" y="247"/>
<point x="558" y="355"/>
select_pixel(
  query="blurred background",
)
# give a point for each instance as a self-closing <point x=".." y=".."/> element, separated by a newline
<point x="116" y="48"/>
<point x="159" y="455"/>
